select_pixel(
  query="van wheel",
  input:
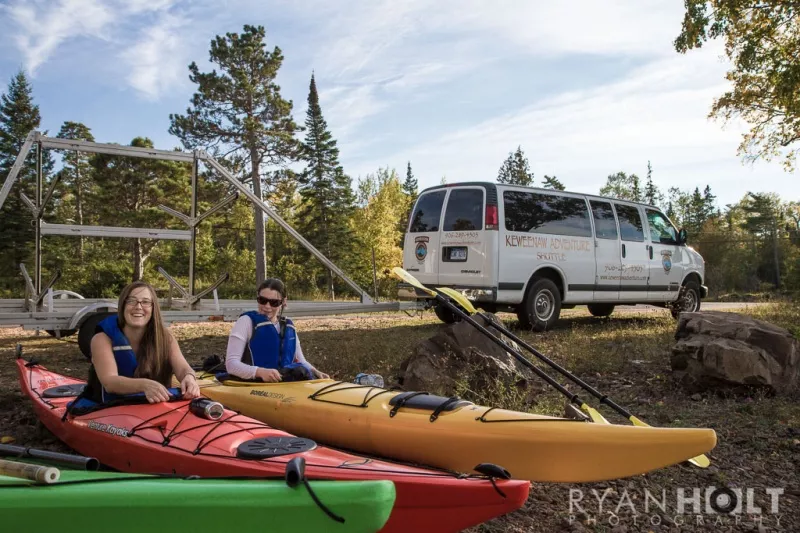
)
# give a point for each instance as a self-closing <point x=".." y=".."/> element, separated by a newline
<point x="601" y="309"/>
<point x="86" y="332"/>
<point x="690" y="301"/>
<point x="542" y="306"/>
<point x="444" y="314"/>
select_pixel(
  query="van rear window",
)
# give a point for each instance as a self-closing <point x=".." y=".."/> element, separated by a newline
<point x="464" y="210"/>
<point x="544" y="213"/>
<point x="427" y="212"/>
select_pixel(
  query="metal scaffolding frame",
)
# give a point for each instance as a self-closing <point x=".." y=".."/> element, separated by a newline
<point x="34" y="303"/>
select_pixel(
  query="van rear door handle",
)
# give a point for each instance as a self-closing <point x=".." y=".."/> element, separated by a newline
<point x="623" y="250"/>
<point x="651" y="251"/>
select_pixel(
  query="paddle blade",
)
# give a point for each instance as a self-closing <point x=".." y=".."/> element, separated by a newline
<point x="700" y="461"/>
<point x="411" y="280"/>
<point x="459" y="298"/>
<point x="594" y="414"/>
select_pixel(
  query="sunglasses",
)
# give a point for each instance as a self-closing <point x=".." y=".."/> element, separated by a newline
<point x="273" y="302"/>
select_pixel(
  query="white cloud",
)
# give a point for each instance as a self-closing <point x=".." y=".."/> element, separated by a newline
<point x="657" y="113"/>
<point x="156" y="61"/>
<point x="395" y="50"/>
<point x="44" y="26"/>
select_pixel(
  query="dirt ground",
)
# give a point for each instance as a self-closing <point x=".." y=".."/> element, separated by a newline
<point x="625" y="356"/>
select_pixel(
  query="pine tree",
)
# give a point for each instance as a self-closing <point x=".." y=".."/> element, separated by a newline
<point x="410" y="185"/>
<point x="552" y="182"/>
<point x="18" y="116"/>
<point x="129" y="191"/>
<point x="652" y="195"/>
<point x="75" y="176"/>
<point x="515" y="170"/>
<point x="328" y="199"/>
<point x="240" y="111"/>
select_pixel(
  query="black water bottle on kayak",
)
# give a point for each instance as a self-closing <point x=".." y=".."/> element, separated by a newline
<point x="205" y="408"/>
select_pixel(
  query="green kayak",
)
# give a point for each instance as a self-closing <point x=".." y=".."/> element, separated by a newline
<point x="139" y="503"/>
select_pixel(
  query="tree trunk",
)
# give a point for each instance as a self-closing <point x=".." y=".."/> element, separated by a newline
<point x="138" y="260"/>
<point x="258" y="219"/>
<point x="776" y="255"/>
<point x="79" y="207"/>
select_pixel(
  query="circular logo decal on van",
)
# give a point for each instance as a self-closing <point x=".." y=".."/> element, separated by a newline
<point x="421" y="251"/>
<point x="666" y="260"/>
<point x="421" y="248"/>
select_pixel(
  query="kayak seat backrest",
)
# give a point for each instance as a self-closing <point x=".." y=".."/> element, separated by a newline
<point x="224" y="376"/>
<point x="429" y="402"/>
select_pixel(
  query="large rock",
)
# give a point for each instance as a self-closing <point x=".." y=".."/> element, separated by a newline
<point x="460" y="360"/>
<point x="717" y="349"/>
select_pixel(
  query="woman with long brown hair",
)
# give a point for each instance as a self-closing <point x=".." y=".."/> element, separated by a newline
<point x="133" y="352"/>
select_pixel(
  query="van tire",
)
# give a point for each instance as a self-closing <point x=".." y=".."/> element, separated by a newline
<point x="601" y="309"/>
<point x="542" y="306"/>
<point x="691" y="299"/>
<point x="444" y="314"/>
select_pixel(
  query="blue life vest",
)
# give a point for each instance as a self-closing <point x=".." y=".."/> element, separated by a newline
<point x="123" y="353"/>
<point x="266" y="348"/>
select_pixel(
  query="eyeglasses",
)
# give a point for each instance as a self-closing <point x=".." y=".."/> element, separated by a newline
<point x="273" y="302"/>
<point x="133" y="302"/>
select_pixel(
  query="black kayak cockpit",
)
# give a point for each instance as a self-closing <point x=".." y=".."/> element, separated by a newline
<point x="64" y="391"/>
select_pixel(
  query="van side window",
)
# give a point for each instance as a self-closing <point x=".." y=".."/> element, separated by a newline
<point x="661" y="229"/>
<point x="544" y="213"/>
<point x="427" y="212"/>
<point x="630" y="223"/>
<point x="464" y="210"/>
<point x="605" y="225"/>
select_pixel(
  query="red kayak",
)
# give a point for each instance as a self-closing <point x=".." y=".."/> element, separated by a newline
<point x="170" y="438"/>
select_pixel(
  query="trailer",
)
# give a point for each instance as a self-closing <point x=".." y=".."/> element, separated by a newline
<point x="63" y="312"/>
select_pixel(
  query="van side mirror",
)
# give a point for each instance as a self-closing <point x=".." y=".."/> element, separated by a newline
<point x="682" y="236"/>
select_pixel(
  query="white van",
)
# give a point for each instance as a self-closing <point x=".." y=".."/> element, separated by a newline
<point x="536" y="251"/>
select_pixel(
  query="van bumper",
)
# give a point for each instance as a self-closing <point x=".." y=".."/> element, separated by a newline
<point x="703" y="291"/>
<point x="406" y="291"/>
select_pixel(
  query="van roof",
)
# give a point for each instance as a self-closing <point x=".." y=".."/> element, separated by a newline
<point x="493" y="185"/>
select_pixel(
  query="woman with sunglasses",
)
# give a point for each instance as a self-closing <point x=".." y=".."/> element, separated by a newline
<point x="133" y="352"/>
<point x="263" y="342"/>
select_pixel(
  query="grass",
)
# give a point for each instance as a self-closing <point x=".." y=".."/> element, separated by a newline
<point x="625" y="356"/>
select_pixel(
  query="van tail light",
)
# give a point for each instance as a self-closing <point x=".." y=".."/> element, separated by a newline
<point x="491" y="217"/>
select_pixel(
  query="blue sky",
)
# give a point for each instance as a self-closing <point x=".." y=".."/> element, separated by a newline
<point x="586" y="88"/>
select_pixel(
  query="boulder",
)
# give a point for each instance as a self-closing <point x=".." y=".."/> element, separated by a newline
<point x="460" y="360"/>
<point x="717" y="349"/>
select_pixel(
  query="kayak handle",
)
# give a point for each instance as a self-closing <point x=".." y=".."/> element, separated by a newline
<point x="492" y="470"/>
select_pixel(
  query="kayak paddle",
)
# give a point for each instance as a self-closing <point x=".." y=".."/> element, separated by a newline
<point x="701" y="460"/>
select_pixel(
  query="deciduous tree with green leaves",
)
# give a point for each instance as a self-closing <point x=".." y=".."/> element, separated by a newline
<point x="762" y="41"/>
<point x="328" y="199"/>
<point x="239" y="111"/>
<point x="375" y="224"/>
<point x="623" y="186"/>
